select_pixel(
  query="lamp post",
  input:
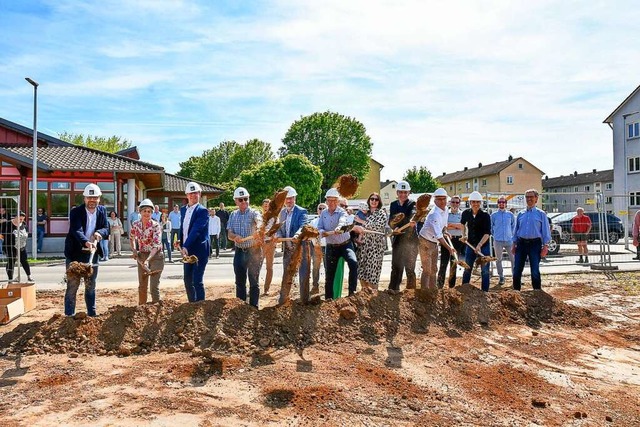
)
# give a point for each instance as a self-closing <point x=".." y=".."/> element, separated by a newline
<point x="34" y="172"/>
<point x="625" y="136"/>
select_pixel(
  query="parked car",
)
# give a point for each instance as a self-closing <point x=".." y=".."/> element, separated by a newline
<point x="556" y="238"/>
<point x="614" y="226"/>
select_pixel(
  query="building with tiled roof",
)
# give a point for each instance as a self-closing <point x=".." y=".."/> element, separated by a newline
<point x="509" y="177"/>
<point x="65" y="169"/>
<point x="567" y="193"/>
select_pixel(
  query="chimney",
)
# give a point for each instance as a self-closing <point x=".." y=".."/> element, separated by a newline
<point x="510" y="157"/>
<point x="546" y="177"/>
<point x="575" y="173"/>
<point x="444" y="173"/>
<point x="466" y="168"/>
<point x="479" y="165"/>
<point x="594" y="171"/>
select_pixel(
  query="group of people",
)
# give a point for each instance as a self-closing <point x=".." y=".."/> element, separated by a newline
<point x="359" y="241"/>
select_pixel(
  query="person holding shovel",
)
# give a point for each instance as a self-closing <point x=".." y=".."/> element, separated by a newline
<point x="146" y="247"/>
<point x="476" y="235"/>
<point x="432" y="233"/>
<point x="87" y="227"/>
<point x="194" y="240"/>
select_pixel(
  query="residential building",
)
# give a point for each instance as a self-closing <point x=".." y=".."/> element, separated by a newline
<point x="388" y="191"/>
<point x="567" y="193"/>
<point x="511" y="177"/>
<point x="624" y="121"/>
<point x="371" y="182"/>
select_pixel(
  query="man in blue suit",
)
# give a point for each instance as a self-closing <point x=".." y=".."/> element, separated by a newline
<point x="87" y="227"/>
<point x="194" y="240"/>
<point x="292" y="218"/>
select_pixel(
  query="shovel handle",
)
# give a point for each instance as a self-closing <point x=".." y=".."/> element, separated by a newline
<point x="473" y="247"/>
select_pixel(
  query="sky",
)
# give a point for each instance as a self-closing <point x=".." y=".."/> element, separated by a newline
<point x="445" y="85"/>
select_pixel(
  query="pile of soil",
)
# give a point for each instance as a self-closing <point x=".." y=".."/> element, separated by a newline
<point x="230" y="326"/>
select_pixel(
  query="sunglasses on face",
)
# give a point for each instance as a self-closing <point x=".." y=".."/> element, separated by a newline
<point x="454" y="203"/>
<point x="243" y="199"/>
<point x="374" y="199"/>
<point x="502" y="202"/>
<point x="320" y="209"/>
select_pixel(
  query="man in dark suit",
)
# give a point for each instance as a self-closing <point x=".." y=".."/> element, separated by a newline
<point x="194" y="240"/>
<point x="87" y="227"/>
<point x="292" y="218"/>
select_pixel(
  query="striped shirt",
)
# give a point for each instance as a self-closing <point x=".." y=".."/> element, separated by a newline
<point x="244" y="224"/>
<point x="331" y="221"/>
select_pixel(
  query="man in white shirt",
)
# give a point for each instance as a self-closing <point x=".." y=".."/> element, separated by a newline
<point x="214" y="232"/>
<point x="430" y="235"/>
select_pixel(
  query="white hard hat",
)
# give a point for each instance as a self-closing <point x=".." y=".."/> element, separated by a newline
<point x="240" y="192"/>
<point x="146" y="203"/>
<point x="291" y="192"/>
<point x="193" y="187"/>
<point x="403" y="186"/>
<point x="332" y="192"/>
<point x="92" y="190"/>
<point x="475" y="197"/>
<point x="440" y="192"/>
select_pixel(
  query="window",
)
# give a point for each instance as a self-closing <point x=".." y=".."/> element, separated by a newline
<point x="608" y="200"/>
<point x="484" y="182"/>
<point x="510" y="179"/>
<point x="575" y="189"/>
<point x="555" y="190"/>
<point x="520" y="166"/>
<point x="634" y="199"/>
<point x="634" y="164"/>
<point x="451" y="188"/>
<point x="587" y="188"/>
<point x="56" y="185"/>
<point x="608" y="186"/>
<point x="468" y="185"/>
<point x="633" y="130"/>
<point x="59" y="205"/>
<point x="564" y="190"/>
<point x="564" y="203"/>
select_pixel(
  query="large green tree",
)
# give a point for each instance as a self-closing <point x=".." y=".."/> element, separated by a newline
<point x="421" y="180"/>
<point x="223" y="163"/>
<point x="266" y="178"/>
<point x="337" y="144"/>
<point x="111" y="144"/>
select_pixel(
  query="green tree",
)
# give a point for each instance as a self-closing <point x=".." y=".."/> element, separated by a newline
<point x="268" y="177"/>
<point x="223" y="163"/>
<point x="335" y="143"/>
<point x="421" y="180"/>
<point x="112" y="144"/>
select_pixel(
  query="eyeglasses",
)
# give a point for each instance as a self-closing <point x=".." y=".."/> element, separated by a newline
<point x="343" y="206"/>
<point x="243" y="199"/>
<point x="454" y="203"/>
<point x="320" y="209"/>
<point x="529" y="197"/>
<point x="502" y="202"/>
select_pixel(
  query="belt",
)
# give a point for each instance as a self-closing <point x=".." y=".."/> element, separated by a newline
<point x="537" y="239"/>
<point x="335" y="245"/>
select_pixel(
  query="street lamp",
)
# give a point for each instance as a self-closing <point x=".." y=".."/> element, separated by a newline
<point x="34" y="172"/>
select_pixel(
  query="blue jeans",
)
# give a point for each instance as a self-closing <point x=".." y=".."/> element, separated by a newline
<point x="530" y="248"/>
<point x="40" y="232"/>
<point x="194" y="279"/>
<point x="303" y="272"/>
<point x="167" y="246"/>
<point x="247" y="264"/>
<point x="104" y="244"/>
<point x="470" y="257"/>
<point x="333" y="253"/>
<point x="73" y="283"/>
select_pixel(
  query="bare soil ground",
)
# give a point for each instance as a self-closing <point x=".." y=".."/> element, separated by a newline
<point x="567" y="356"/>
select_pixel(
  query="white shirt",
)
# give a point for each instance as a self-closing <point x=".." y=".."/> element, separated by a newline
<point x="434" y="224"/>
<point x="91" y="224"/>
<point x="314" y="223"/>
<point x="187" y="222"/>
<point x="214" y="225"/>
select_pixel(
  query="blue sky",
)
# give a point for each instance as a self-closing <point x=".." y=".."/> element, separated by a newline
<point x="438" y="84"/>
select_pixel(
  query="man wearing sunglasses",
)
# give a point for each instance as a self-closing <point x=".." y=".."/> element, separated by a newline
<point x="242" y="228"/>
<point x="454" y="228"/>
<point x="404" y="246"/>
<point x="503" y="223"/>
<point x="194" y="240"/>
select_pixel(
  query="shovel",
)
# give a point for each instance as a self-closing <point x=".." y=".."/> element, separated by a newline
<point x="80" y="269"/>
<point x="454" y="258"/>
<point x="482" y="259"/>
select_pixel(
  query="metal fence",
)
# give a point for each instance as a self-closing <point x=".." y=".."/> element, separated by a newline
<point x="9" y="256"/>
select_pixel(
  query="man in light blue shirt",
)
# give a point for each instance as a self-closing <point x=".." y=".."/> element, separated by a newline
<point x="503" y="223"/>
<point x="175" y="217"/>
<point x="530" y="240"/>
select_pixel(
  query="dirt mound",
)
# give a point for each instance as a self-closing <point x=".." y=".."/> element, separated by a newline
<point x="230" y="326"/>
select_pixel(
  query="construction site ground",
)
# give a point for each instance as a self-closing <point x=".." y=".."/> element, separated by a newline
<point x="565" y="356"/>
